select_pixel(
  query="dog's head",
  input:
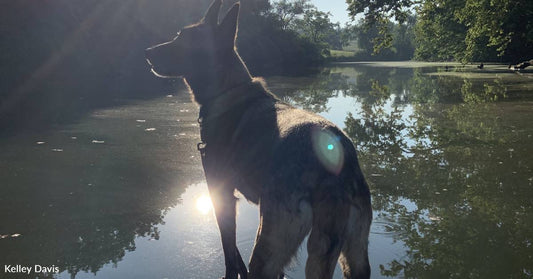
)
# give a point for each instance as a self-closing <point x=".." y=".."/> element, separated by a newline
<point x="198" y="48"/>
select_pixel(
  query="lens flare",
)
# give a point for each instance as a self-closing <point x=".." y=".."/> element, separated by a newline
<point x="204" y="204"/>
<point x="328" y="149"/>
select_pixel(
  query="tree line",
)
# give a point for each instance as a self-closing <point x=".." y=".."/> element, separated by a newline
<point x="458" y="30"/>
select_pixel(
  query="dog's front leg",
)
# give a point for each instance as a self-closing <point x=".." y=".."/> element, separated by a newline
<point x="224" y="203"/>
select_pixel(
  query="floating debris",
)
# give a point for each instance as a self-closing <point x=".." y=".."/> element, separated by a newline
<point x="434" y="218"/>
<point x="150" y="129"/>
<point x="141" y="120"/>
<point x="57" y="150"/>
<point x="15" y="235"/>
<point x="74" y="138"/>
<point x="437" y="193"/>
<point x="41" y="142"/>
<point x="98" y="141"/>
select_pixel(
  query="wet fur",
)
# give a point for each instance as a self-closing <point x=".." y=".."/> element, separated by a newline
<point x="265" y="149"/>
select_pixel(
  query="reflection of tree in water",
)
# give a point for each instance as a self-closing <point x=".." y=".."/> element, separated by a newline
<point x="84" y="207"/>
<point x="462" y="159"/>
<point x="312" y="93"/>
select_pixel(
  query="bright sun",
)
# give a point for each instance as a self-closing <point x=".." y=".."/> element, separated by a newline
<point x="203" y="204"/>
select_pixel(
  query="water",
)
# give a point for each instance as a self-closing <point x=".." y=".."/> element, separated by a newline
<point x="448" y="156"/>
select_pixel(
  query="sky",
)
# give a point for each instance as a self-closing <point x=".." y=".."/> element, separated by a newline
<point x="336" y="7"/>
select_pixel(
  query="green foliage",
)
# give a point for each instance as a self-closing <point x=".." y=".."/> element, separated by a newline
<point x="439" y="36"/>
<point x="505" y="27"/>
<point x="287" y="11"/>
<point x="316" y="27"/>
<point x="403" y="39"/>
<point x="379" y="14"/>
<point x="270" y="45"/>
<point x="376" y="11"/>
<point x="313" y="27"/>
<point x="461" y="30"/>
<point x="387" y="42"/>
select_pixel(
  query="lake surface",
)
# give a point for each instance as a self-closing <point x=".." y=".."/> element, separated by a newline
<point x="448" y="154"/>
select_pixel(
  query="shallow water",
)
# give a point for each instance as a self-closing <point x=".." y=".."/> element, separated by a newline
<point x="448" y="155"/>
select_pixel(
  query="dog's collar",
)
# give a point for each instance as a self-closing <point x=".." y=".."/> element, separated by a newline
<point x="225" y="102"/>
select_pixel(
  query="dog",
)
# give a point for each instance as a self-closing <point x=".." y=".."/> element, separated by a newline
<point x="300" y="169"/>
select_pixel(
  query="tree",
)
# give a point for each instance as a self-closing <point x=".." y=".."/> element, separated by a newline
<point x="287" y="11"/>
<point x="379" y="13"/>
<point x="438" y="33"/>
<point x="403" y="39"/>
<point x="317" y="27"/>
<point x="505" y="26"/>
<point x="376" y="11"/>
<point x="465" y="30"/>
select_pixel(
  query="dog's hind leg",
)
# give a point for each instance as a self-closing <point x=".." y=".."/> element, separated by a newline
<point x="354" y="255"/>
<point x="330" y="217"/>
<point x="283" y="227"/>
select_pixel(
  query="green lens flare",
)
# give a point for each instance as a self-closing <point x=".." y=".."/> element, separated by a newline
<point x="328" y="150"/>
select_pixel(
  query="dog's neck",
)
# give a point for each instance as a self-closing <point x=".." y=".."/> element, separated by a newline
<point x="228" y="73"/>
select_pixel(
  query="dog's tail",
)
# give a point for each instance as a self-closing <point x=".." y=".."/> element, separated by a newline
<point x="342" y="215"/>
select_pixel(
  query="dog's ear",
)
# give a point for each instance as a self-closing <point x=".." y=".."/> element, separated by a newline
<point x="211" y="16"/>
<point x="228" y="26"/>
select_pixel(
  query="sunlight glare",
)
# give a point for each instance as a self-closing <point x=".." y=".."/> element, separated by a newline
<point x="203" y="204"/>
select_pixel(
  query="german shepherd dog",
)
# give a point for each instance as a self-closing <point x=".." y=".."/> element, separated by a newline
<point x="299" y="168"/>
